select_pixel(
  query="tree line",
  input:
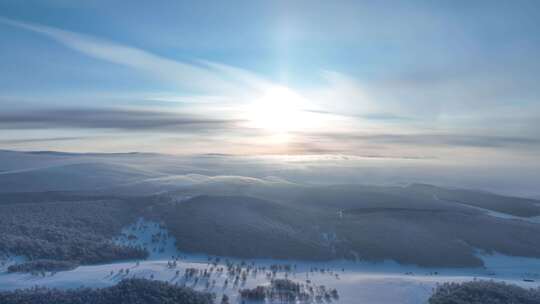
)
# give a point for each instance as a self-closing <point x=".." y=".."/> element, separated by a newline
<point x="484" y="292"/>
<point x="128" y="291"/>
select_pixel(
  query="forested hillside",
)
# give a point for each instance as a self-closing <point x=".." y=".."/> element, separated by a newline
<point x="129" y="291"/>
<point x="68" y="230"/>
<point x="363" y="223"/>
<point x="484" y="292"/>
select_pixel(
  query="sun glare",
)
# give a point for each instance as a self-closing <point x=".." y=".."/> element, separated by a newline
<point x="279" y="110"/>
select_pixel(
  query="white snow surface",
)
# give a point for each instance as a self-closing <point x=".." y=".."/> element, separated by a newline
<point x="356" y="282"/>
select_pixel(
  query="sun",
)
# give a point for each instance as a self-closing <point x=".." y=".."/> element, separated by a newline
<point x="278" y="110"/>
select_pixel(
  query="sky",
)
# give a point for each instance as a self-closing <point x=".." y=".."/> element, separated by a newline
<point x="453" y="82"/>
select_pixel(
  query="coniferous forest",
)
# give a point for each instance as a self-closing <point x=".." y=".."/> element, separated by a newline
<point x="129" y="291"/>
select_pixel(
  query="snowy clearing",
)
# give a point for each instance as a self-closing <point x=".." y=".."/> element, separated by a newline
<point x="356" y="282"/>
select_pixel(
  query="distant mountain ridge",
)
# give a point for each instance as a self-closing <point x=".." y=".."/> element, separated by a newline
<point x="70" y="177"/>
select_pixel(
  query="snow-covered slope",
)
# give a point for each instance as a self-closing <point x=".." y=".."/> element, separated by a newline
<point x="198" y="183"/>
<point x="502" y="215"/>
<point x="82" y="176"/>
<point x="150" y="235"/>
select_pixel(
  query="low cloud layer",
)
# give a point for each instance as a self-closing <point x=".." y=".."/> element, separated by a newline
<point x="125" y="120"/>
<point x="437" y="139"/>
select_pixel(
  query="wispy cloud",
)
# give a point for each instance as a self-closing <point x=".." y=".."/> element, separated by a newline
<point x="126" y="120"/>
<point x="202" y="80"/>
<point x="204" y="77"/>
<point x="40" y="140"/>
<point x="433" y="139"/>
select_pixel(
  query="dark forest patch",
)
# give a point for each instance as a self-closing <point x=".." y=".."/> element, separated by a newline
<point x="130" y="291"/>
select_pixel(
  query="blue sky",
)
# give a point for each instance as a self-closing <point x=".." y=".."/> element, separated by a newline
<point x="452" y="81"/>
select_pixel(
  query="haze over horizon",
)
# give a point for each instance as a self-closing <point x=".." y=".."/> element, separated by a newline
<point x="452" y="85"/>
